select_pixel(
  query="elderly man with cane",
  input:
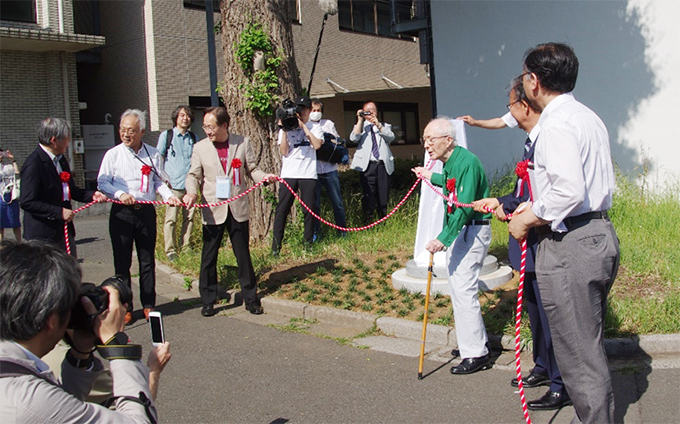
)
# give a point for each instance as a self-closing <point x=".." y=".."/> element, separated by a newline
<point x="467" y="232"/>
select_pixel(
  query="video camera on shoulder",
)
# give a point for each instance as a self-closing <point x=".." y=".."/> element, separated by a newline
<point x="80" y="319"/>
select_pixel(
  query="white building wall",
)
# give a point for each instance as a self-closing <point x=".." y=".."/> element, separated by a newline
<point x="629" y="63"/>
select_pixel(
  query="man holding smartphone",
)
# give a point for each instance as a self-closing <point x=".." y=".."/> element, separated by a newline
<point x="29" y="391"/>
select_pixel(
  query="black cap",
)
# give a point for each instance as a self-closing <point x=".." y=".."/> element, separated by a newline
<point x="303" y="101"/>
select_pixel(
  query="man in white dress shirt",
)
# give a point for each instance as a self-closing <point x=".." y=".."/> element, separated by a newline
<point x="578" y="252"/>
<point x="129" y="172"/>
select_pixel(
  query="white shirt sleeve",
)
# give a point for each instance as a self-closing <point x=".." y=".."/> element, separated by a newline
<point x="509" y="120"/>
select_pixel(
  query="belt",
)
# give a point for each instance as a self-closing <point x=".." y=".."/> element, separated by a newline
<point x="479" y="222"/>
<point x="572" y="221"/>
<point x="136" y="206"/>
<point x="588" y="216"/>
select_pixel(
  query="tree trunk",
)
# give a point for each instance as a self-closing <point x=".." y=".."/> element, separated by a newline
<point x="262" y="131"/>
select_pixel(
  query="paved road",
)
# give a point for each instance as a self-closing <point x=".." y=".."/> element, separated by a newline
<point x="232" y="368"/>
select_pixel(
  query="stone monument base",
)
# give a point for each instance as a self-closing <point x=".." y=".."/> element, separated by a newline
<point x="414" y="277"/>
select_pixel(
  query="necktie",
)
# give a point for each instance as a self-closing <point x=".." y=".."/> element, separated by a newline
<point x="527" y="144"/>
<point x="374" y="149"/>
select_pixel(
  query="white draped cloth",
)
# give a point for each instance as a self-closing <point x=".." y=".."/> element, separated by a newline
<point x="431" y="209"/>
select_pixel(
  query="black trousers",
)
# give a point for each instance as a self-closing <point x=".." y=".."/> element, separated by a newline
<point x="307" y="189"/>
<point x="544" y="354"/>
<point x="376" y="185"/>
<point x="136" y="223"/>
<point x="239" y="234"/>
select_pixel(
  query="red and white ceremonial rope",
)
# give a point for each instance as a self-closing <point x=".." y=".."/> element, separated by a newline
<point x="245" y="193"/>
<point x="337" y="227"/>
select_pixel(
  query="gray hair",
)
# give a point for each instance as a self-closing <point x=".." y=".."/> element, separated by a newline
<point x="445" y="126"/>
<point x="141" y="117"/>
<point x="53" y="127"/>
<point x="37" y="278"/>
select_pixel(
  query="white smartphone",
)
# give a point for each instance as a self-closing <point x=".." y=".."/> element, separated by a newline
<point x="156" y="326"/>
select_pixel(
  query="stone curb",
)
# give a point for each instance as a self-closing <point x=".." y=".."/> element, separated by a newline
<point x="646" y="344"/>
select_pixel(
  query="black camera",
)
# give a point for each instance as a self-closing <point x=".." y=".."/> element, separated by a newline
<point x="288" y="115"/>
<point x="362" y="113"/>
<point x="80" y="319"/>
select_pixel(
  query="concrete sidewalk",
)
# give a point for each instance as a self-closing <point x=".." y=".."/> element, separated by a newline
<point x="403" y="337"/>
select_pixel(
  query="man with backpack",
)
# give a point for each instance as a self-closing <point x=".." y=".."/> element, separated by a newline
<point x="176" y="146"/>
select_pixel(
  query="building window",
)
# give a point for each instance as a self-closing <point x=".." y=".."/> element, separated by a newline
<point x="402" y="116"/>
<point x="295" y="11"/>
<point x="200" y="4"/>
<point x="18" y="11"/>
<point x="373" y="16"/>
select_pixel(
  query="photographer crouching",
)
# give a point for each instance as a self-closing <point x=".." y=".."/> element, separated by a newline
<point x="41" y="296"/>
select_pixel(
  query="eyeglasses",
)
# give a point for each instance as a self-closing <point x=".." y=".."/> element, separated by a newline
<point x="430" y="140"/>
<point x="130" y="131"/>
<point x="521" y="76"/>
<point x="510" y="105"/>
<point x="207" y="128"/>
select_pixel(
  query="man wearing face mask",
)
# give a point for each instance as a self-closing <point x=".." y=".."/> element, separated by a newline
<point x="327" y="173"/>
<point x="298" y="168"/>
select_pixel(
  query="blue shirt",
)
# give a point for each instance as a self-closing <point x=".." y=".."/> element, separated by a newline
<point x="178" y="159"/>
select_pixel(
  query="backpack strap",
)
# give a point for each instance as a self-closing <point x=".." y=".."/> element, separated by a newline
<point x="193" y="137"/>
<point x="168" y="136"/>
<point x="12" y="369"/>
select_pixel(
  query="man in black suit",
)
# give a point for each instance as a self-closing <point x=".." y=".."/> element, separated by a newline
<point x="47" y="186"/>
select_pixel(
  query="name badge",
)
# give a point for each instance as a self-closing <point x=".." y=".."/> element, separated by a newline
<point x="223" y="187"/>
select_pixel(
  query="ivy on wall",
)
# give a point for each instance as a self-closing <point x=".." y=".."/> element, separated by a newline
<point x="261" y="85"/>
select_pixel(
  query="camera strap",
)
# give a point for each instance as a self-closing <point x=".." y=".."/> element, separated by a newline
<point x="111" y="352"/>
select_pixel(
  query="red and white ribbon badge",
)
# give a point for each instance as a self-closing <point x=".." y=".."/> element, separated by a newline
<point x="522" y="172"/>
<point x="451" y="187"/>
<point x="236" y="166"/>
<point x="146" y="171"/>
<point x="65" y="177"/>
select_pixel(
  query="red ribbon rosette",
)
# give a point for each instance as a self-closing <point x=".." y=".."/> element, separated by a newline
<point x="65" y="177"/>
<point x="522" y="172"/>
<point x="236" y="165"/>
<point x="451" y="187"/>
<point x="146" y="171"/>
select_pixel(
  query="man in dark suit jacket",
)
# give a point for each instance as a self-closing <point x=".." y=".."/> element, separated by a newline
<point x="47" y="186"/>
<point x="546" y="371"/>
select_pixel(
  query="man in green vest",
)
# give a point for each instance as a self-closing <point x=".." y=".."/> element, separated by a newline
<point x="466" y="236"/>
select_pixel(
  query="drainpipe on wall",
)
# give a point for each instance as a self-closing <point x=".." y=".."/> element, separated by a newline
<point x="60" y="7"/>
<point x="67" y="101"/>
<point x="212" y="59"/>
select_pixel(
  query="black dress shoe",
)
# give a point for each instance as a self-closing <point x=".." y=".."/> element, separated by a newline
<point x="208" y="311"/>
<point x="255" y="309"/>
<point x="532" y="380"/>
<point x="470" y="365"/>
<point x="550" y="401"/>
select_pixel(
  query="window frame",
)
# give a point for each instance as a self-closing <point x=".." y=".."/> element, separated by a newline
<point x="34" y="13"/>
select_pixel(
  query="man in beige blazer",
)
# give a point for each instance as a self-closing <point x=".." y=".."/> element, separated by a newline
<point x="219" y="165"/>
